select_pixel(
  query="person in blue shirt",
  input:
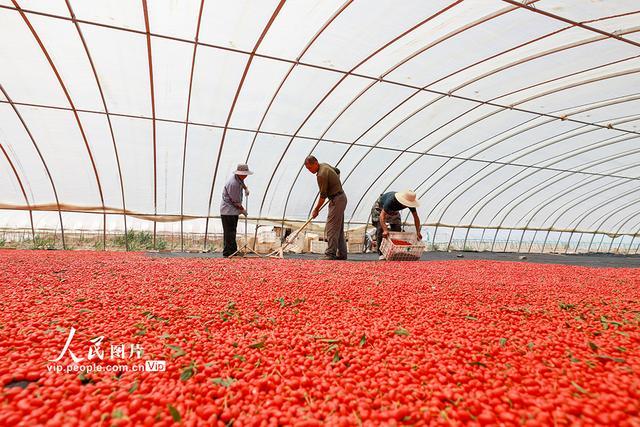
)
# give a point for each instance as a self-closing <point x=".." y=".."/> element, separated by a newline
<point x="386" y="210"/>
<point x="231" y="207"/>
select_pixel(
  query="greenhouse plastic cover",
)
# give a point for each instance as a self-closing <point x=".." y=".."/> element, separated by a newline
<point x="497" y="113"/>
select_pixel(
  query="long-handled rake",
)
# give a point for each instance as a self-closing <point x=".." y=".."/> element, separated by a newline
<point x="246" y="251"/>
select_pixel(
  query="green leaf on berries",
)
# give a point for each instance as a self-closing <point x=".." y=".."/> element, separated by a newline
<point x="363" y="340"/>
<point x="177" y="351"/>
<point x="224" y="382"/>
<point x="580" y="389"/>
<point x="188" y="372"/>
<point x="402" y="332"/>
<point x="259" y="344"/>
<point x="174" y="413"/>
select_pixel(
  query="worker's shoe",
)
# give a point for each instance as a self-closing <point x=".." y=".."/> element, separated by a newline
<point x="381" y="258"/>
<point x="328" y="258"/>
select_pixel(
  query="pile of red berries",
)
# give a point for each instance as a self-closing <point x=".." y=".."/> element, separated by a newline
<point x="279" y="342"/>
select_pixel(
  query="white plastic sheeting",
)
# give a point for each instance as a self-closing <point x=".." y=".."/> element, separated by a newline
<point x="499" y="113"/>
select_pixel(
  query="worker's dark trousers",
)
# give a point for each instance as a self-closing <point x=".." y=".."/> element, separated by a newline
<point x="229" y="225"/>
<point x="337" y="246"/>
<point x="392" y="227"/>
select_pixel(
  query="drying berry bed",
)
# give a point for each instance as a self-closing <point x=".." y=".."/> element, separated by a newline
<point x="268" y="342"/>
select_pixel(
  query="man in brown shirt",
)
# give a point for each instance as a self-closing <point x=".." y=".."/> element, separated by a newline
<point x="330" y="188"/>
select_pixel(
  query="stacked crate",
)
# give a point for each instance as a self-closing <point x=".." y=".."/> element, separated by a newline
<point x="355" y="241"/>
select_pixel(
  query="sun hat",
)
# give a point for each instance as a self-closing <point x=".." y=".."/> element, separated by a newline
<point x="243" y="170"/>
<point x="407" y="198"/>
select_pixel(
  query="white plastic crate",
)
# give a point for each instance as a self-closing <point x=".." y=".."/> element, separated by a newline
<point x="393" y="252"/>
<point x="318" y="246"/>
<point x="265" y="248"/>
<point x="267" y="236"/>
<point x="355" y="236"/>
<point x="355" y="248"/>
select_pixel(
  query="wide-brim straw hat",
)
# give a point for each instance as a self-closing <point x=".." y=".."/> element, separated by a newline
<point x="408" y="198"/>
<point x="243" y="169"/>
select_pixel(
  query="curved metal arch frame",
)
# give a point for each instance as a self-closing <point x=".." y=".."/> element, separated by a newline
<point x="491" y="16"/>
<point x="529" y="190"/>
<point x="145" y="10"/>
<point x="512" y="128"/>
<point x="511" y="228"/>
<point x="511" y="184"/>
<point x="293" y="66"/>
<point x="186" y="125"/>
<point x="592" y="106"/>
<point x="584" y="197"/>
<point x="622" y="223"/>
<point x="24" y="193"/>
<point x="553" y="33"/>
<point x="235" y="99"/>
<point x="620" y="244"/>
<point x="636" y="226"/>
<point x="419" y="90"/>
<point x="453" y="133"/>
<point x="477" y="121"/>
<point x="212" y="126"/>
<point x="335" y="86"/>
<point x="333" y="141"/>
<point x="630" y="245"/>
<point x="108" y="117"/>
<point x="575" y="202"/>
<point x="247" y="130"/>
<point x="598" y="144"/>
<point x="569" y="21"/>
<point x="608" y="216"/>
<point x="470" y="185"/>
<point x="580" y="218"/>
<point x="425" y="152"/>
<point x="450" y="93"/>
<point x="44" y="163"/>
<point x="75" y="113"/>
<point x="532" y="57"/>
<point x="552" y="138"/>
<point x="565" y="20"/>
<point x="624" y="119"/>
<point x="580" y="239"/>
<point x="290" y="61"/>
<point x="277" y="92"/>
<point x="557" y="178"/>
<point x="309" y="64"/>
